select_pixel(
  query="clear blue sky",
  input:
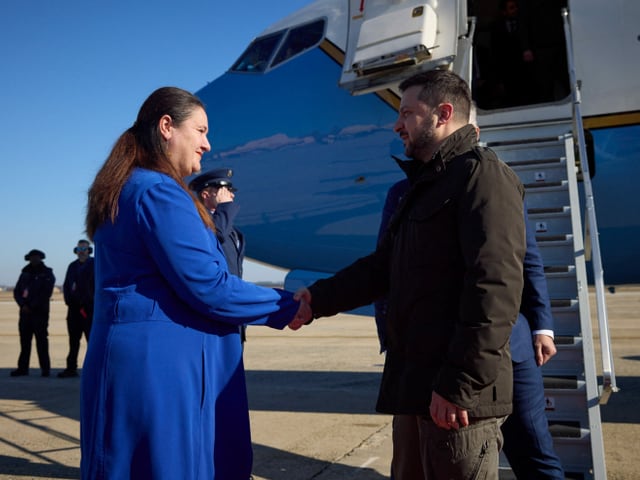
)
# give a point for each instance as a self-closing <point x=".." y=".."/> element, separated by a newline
<point x="73" y="75"/>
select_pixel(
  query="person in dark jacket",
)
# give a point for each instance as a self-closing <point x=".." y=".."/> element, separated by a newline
<point x="32" y="294"/>
<point x="78" y="289"/>
<point x="528" y="444"/>
<point x="450" y="265"/>
<point x="512" y="59"/>
<point x="217" y="193"/>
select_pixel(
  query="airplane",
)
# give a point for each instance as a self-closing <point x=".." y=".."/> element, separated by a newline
<point x="314" y="159"/>
<point x="305" y="119"/>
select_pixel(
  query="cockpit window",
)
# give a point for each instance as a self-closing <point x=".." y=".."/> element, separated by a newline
<point x="256" y="57"/>
<point x="288" y="44"/>
<point x="298" y="40"/>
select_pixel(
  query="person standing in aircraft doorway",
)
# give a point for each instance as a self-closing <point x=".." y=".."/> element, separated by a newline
<point x="78" y="289"/>
<point x="450" y="265"/>
<point x="528" y="444"/>
<point x="215" y="190"/>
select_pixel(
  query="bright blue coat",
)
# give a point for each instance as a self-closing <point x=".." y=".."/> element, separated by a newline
<point x="163" y="384"/>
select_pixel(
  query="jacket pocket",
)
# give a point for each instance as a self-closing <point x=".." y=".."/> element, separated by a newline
<point x="129" y="306"/>
<point x="429" y="237"/>
<point x="423" y="211"/>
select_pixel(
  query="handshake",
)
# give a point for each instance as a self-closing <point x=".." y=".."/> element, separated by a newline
<point x="304" y="315"/>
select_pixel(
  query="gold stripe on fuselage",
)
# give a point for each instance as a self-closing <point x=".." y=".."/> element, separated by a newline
<point x="612" y="120"/>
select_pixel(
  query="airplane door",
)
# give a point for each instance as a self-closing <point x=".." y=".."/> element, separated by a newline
<point x="388" y="41"/>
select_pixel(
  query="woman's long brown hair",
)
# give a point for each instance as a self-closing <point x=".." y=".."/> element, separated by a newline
<point x="140" y="146"/>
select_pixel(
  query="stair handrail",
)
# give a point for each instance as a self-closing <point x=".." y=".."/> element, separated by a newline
<point x="608" y="375"/>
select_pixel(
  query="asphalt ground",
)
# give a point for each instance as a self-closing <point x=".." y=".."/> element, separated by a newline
<point x="312" y="396"/>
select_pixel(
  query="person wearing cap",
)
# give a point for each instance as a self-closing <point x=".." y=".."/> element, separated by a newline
<point x="32" y="294"/>
<point x="78" y="290"/>
<point x="216" y="192"/>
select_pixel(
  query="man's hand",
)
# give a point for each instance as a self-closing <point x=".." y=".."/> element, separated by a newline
<point x="544" y="348"/>
<point x="224" y="195"/>
<point x="303" y="293"/>
<point x="447" y="415"/>
<point x="303" y="316"/>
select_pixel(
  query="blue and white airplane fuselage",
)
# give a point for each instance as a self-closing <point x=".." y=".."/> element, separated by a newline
<point x="313" y="161"/>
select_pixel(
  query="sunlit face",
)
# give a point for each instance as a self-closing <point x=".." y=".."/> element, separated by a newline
<point x="188" y="142"/>
<point x="416" y="125"/>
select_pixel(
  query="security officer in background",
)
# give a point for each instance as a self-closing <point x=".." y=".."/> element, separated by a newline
<point x="32" y="294"/>
<point x="78" y="288"/>
<point x="216" y="192"/>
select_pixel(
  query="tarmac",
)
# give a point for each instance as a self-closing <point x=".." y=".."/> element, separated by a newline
<point x="312" y="400"/>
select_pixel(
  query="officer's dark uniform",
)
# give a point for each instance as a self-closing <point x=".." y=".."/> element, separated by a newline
<point x="32" y="294"/>
<point x="230" y="238"/>
<point x="78" y="289"/>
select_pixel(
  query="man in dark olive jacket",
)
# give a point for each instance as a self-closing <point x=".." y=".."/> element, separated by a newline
<point x="32" y="293"/>
<point x="451" y="267"/>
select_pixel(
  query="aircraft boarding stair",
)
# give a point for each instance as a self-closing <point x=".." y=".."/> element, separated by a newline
<point x="542" y="154"/>
<point x="541" y="143"/>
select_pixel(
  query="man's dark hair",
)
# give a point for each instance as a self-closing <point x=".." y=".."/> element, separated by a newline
<point x="440" y="86"/>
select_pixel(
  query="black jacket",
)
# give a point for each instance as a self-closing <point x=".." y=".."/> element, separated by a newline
<point x="79" y="284"/>
<point x="451" y="266"/>
<point x="34" y="288"/>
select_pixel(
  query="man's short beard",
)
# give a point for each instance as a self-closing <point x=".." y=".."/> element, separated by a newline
<point x="422" y="144"/>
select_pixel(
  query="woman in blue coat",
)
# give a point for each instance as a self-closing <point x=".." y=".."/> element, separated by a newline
<point x="163" y="386"/>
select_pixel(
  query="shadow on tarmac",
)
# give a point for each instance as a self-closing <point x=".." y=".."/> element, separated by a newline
<point x="55" y="395"/>
<point x="43" y="399"/>
<point x="274" y="464"/>
<point x="292" y="391"/>
<point x="19" y="466"/>
<point x="622" y="406"/>
<point x="316" y="392"/>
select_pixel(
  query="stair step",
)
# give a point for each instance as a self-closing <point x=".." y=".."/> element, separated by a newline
<point x="533" y="162"/>
<point x="548" y="211"/>
<point x="567" y="430"/>
<point x="568" y="382"/>
<point x="563" y="303"/>
<point x="558" y="269"/>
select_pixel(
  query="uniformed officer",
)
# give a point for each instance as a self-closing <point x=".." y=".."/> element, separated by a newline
<point x="216" y="191"/>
